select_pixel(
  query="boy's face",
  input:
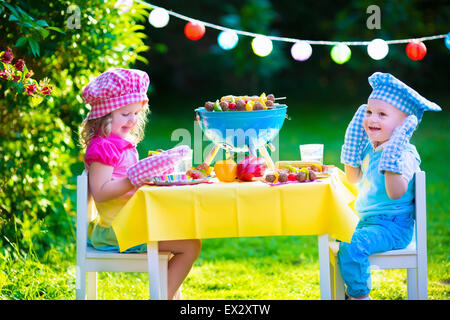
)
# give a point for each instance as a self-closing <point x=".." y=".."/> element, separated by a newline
<point x="125" y="118"/>
<point x="380" y="120"/>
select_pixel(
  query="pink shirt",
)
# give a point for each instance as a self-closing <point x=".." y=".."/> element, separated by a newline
<point x="120" y="154"/>
<point x="112" y="151"/>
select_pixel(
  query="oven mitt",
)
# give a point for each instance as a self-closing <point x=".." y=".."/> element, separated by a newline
<point x="156" y="165"/>
<point x="391" y="157"/>
<point x="355" y="139"/>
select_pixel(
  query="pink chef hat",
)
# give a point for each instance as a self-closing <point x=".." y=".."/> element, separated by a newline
<point x="114" y="89"/>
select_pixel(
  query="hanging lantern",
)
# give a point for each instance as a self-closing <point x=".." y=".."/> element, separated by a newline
<point x="227" y="39"/>
<point x="416" y="50"/>
<point x="262" y="46"/>
<point x="301" y="51"/>
<point x="377" y="49"/>
<point x="194" y="30"/>
<point x="123" y="5"/>
<point x="447" y="40"/>
<point x="341" y="53"/>
<point x="159" y="18"/>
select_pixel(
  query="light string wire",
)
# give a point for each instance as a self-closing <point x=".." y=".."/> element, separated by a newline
<point x="284" y="39"/>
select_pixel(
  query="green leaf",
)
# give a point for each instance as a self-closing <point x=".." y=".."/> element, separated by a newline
<point x="34" y="45"/>
<point x="42" y="23"/>
<point x="11" y="8"/>
<point x="21" y="41"/>
<point x="56" y="29"/>
<point x="25" y="15"/>
<point x="13" y="18"/>
<point x="20" y="87"/>
<point x="44" y="33"/>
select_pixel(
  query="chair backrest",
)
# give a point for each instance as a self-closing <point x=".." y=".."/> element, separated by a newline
<point x="421" y="212"/>
<point x="86" y="211"/>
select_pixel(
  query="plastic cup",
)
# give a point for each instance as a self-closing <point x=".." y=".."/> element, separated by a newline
<point x="184" y="164"/>
<point x="311" y="152"/>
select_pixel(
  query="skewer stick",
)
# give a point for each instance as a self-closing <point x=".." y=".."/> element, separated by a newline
<point x="280" y="98"/>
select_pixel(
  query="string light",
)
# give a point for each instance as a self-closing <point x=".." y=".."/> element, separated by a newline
<point x="341" y="48"/>
<point x="416" y="50"/>
<point x="377" y="49"/>
<point x="262" y="46"/>
<point x="123" y="5"/>
<point x="228" y="39"/>
<point x="159" y="18"/>
<point x="340" y="53"/>
<point x="301" y="51"/>
<point x="194" y="30"/>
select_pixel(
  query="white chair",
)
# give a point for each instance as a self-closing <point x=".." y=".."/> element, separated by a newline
<point x="90" y="261"/>
<point x="413" y="258"/>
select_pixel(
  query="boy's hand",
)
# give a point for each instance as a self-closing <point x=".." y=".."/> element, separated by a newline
<point x="391" y="158"/>
<point x="156" y="165"/>
<point x="355" y="139"/>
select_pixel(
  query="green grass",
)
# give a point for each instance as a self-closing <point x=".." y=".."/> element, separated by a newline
<point x="262" y="267"/>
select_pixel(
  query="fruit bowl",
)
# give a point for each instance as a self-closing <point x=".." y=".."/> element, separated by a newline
<point x="241" y="130"/>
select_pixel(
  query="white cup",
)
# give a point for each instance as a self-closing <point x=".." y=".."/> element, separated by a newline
<point x="311" y="152"/>
<point x="184" y="164"/>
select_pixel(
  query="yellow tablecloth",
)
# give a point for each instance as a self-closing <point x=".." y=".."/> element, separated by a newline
<point x="238" y="209"/>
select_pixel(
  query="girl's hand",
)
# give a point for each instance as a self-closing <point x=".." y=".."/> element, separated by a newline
<point x="156" y="165"/>
<point x="391" y="158"/>
<point x="355" y="139"/>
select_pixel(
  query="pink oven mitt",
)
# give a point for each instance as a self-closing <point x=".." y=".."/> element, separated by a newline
<point x="156" y="165"/>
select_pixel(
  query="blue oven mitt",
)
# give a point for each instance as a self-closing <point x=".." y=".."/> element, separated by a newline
<point x="391" y="157"/>
<point x="355" y="139"/>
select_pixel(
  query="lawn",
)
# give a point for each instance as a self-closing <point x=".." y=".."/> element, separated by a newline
<point x="263" y="267"/>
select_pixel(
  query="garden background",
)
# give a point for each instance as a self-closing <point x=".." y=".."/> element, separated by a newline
<point x="40" y="156"/>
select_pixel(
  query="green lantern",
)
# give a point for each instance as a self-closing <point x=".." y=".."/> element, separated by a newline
<point x="341" y="53"/>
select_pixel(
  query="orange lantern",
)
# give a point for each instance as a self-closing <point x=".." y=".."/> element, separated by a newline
<point x="226" y="170"/>
<point x="194" y="30"/>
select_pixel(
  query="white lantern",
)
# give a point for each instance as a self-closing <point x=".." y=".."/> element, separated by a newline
<point x="159" y="18"/>
<point x="377" y="49"/>
<point x="227" y="39"/>
<point x="262" y="46"/>
<point x="301" y="51"/>
<point x="123" y="5"/>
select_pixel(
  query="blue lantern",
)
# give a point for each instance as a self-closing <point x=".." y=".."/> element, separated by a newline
<point x="227" y="39"/>
<point x="447" y="41"/>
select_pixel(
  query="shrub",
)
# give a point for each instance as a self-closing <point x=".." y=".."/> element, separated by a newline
<point x="38" y="143"/>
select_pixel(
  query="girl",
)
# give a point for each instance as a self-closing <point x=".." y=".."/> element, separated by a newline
<point x="118" y="100"/>
<point x="378" y="155"/>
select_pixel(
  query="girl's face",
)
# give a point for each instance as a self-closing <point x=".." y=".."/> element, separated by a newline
<point x="380" y="120"/>
<point x="125" y="118"/>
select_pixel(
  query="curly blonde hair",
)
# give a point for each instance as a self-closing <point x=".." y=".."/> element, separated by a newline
<point x="102" y="127"/>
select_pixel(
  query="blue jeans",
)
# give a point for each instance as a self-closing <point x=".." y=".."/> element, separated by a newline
<point x="373" y="234"/>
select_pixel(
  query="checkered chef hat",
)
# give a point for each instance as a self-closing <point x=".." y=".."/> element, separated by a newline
<point x="113" y="89"/>
<point x="391" y="90"/>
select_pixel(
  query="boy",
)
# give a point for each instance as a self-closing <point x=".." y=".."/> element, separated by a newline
<point x="377" y="154"/>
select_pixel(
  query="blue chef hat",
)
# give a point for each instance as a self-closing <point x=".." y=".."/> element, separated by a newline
<point x="391" y="90"/>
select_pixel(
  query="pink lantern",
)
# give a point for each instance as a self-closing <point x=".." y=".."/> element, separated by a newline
<point x="416" y="50"/>
<point x="194" y="30"/>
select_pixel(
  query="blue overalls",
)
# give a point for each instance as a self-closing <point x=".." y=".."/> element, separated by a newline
<point x="385" y="224"/>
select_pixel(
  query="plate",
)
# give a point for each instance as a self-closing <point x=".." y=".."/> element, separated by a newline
<point x="178" y="183"/>
<point x="320" y="175"/>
